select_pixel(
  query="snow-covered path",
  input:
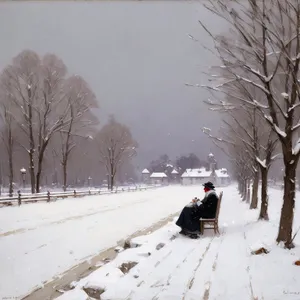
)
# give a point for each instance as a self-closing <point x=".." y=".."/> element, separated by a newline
<point x="39" y="241"/>
<point x="213" y="267"/>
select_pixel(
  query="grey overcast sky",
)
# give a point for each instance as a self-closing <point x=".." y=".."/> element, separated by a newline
<point x="136" y="56"/>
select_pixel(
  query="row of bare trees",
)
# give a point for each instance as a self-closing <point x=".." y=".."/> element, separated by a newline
<point x="256" y="86"/>
<point x="46" y="113"/>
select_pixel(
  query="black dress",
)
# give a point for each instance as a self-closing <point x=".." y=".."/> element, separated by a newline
<point x="189" y="217"/>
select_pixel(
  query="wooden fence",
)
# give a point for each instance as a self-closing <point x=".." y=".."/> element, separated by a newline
<point x="53" y="196"/>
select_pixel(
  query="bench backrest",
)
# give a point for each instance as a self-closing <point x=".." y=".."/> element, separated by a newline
<point x="218" y="206"/>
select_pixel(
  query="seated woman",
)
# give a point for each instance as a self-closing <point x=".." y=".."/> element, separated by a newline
<point x="191" y="213"/>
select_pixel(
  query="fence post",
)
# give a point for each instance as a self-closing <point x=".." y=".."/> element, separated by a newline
<point x="89" y="192"/>
<point x="19" y="198"/>
<point x="48" y="196"/>
<point x="74" y="193"/>
<point x="99" y="192"/>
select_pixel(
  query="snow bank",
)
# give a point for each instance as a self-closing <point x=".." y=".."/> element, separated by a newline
<point x="76" y="294"/>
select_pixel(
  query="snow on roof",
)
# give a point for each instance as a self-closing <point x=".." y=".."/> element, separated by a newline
<point x="174" y="172"/>
<point x="170" y="166"/>
<point x="210" y="155"/>
<point x="202" y="173"/>
<point x="158" y="175"/>
<point x="145" y="171"/>
<point x="199" y="173"/>
<point x="222" y="173"/>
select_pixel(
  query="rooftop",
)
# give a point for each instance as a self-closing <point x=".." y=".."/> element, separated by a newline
<point x="158" y="175"/>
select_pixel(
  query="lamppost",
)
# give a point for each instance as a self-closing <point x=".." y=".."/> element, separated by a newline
<point x="89" y="181"/>
<point x="23" y="174"/>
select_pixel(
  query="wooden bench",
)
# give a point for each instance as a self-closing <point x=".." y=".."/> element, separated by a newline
<point x="212" y="223"/>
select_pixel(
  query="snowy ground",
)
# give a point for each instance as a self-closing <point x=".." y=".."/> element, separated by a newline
<point x="39" y="241"/>
<point x="212" y="267"/>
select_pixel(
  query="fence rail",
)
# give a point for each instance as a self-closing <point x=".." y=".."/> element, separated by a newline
<point x="53" y="196"/>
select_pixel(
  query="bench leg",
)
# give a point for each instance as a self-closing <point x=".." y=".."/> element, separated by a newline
<point x="201" y="227"/>
<point x="216" y="228"/>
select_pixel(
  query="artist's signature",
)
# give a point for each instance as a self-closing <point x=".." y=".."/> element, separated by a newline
<point x="291" y="293"/>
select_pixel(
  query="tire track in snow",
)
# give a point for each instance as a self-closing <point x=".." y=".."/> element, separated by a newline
<point x="157" y="277"/>
<point x="185" y="266"/>
<point x="161" y="283"/>
<point x="192" y="278"/>
<point x="201" y="282"/>
<point x="158" y="260"/>
<point x="155" y="266"/>
<point x="214" y="267"/>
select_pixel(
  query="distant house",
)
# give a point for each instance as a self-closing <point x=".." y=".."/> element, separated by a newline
<point x="219" y="177"/>
<point x="159" y="178"/>
<point x="222" y="177"/>
<point x="201" y="175"/>
<point x="196" y="176"/>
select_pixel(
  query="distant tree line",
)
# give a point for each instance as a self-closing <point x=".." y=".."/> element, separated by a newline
<point x="49" y="126"/>
<point x="180" y="164"/>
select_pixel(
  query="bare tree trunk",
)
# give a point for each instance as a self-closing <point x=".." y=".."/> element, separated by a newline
<point x="241" y="189"/>
<point x="287" y="211"/>
<point x="112" y="177"/>
<point x="244" y="195"/>
<point x="64" y="166"/>
<point x="40" y="166"/>
<point x="112" y="182"/>
<point x="263" y="215"/>
<point x="31" y="144"/>
<point x="65" y="157"/>
<point x="239" y="186"/>
<point x="11" y="178"/>
<point x="248" y="191"/>
<point x="254" y="200"/>
<point x="10" y="163"/>
<point x="31" y="170"/>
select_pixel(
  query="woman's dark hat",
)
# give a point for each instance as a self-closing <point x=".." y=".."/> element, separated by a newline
<point x="209" y="185"/>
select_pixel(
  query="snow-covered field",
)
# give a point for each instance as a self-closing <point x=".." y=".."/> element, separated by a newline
<point x="39" y="241"/>
<point x="212" y="267"/>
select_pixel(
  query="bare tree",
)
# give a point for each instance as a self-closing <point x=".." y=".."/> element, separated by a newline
<point x="7" y="133"/>
<point x="22" y="84"/>
<point x="256" y="142"/>
<point x="43" y="106"/>
<point x="53" y="108"/>
<point x="263" y="51"/>
<point x="115" y="145"/>
<point x="240" y="158"/>
<point x="81" y="99"/>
